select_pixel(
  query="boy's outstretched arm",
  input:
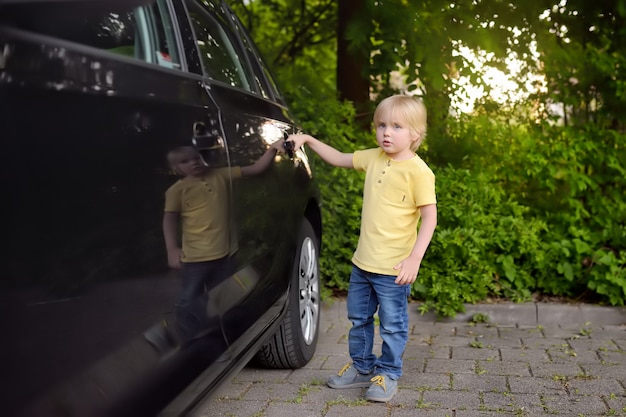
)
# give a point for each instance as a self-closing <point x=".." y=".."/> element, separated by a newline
<point x="326" y="152"/>
<point x="263" y="162"/>
<point x="409" y="268"/>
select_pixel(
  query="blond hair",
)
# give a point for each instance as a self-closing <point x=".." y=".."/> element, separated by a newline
<point x="176" y="155"/>
<point x="410" y="110"/>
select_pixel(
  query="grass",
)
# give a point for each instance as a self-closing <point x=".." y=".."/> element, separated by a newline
<point x="479" y="318"/>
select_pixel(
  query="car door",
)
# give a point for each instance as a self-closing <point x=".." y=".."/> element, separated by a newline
<point x="92" y="97"/>
<point x="263" y="206"/>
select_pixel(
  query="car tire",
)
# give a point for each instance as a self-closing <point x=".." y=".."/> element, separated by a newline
<point x="293" y="344"/>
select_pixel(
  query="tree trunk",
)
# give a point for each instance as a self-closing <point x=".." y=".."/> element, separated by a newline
<point x="352" y="66"/>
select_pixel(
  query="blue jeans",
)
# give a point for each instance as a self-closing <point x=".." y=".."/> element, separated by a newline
<point x="198" y="278"/>
<point x="367" y="293"/>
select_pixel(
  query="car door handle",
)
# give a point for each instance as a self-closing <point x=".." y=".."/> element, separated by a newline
<point x="205" y="140"/>
<point x="287" y="145"/>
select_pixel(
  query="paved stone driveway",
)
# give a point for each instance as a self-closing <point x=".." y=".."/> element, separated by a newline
<point x="526" y="360"/>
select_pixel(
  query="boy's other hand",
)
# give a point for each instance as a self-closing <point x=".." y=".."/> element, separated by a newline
<point x="173" y="258"/>
<point x="409" y="268"/>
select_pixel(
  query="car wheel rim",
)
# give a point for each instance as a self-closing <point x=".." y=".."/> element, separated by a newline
<point x="309" y="290"/>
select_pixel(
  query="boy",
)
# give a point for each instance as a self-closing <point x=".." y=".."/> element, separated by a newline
<point x="199" y="201"/>
<point x="399" y="189"/>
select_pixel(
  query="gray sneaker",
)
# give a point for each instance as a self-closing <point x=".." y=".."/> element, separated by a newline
<point x="382" y="389"/>
<point x="349" y="377"/>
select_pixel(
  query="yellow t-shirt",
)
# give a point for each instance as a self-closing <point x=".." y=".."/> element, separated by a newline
<point x="203" y="206"/>
<point x="392" y="193"/>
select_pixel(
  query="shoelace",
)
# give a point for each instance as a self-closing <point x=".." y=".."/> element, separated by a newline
<point x="344" y="369"/>
<point x="380" y="381"/>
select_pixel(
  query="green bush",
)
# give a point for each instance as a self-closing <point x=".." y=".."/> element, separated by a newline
<point x="484" y="244"/>
<point x="576" y="180"/>
<point x="570" y="182"/>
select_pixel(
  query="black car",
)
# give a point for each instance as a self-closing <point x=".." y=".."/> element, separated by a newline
<point x="93" y="95"/>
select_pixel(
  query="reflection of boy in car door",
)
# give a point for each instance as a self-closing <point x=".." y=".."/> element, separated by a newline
<point x="199" y="202"/>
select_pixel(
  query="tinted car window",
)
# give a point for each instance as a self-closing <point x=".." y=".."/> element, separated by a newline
<point x="166" y="50"/>
<point x="144" y="33"/>
<point x="221" y="59"/>
<point x="263" y="78"/>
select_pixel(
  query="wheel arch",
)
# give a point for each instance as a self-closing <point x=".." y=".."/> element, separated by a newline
<point x="313" y="214"/>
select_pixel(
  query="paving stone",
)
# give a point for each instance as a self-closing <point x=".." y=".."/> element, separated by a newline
<point x="574" y="406"/>
<point x="425" y="381"/>
<point x="405" y="398"/>
<point x="369" y="409"/>
<point x="519" y="333"/>
<point x="328" y="346"/>
<point x="479" y="413"/>
<point x="506" y="313"/>
<point x="412" y="365"/>
<point x="480" y="383"/>
<point x="484" y="353"/>
<point x="501" y="341"/>
<point x="415" y="412"/>
<point x="252" y="374"/>
<point x="268" y="391"/>
<point x="452" y="341"/>
<point x="316" y="362"/>
<point x="610" y="332"/>
<point x="612" y="356"/>
<point x="452" y="400"/>
<point x="529" y="404"/>
<point x="503" y="368"/>
<point x="494" y="401"/>
<point x="524" y="355"/>
<point x="324" y="395"/>
<point x="549" y="370"/>
<point x="313" y="377"/>
<point x="336" y="338"/>
<point x="478" y="330"/>
<point x="233" y="390"/>
<point x="438" y="329"/>
<point x="557" y="331"/>
<point x="606" y="371"/>
<point x="449" y="366"/>
<point x="524" y="385"/>
<point x="234" y="408"/>
<point x="593" y="344"/>
<point x="570" y="355"/>
<point x="287" y="409"/>
<point x="595" y="386"/>
<point x="617" y="404"/>
<point x="543" y="343"/>
<point x="428" y="352"/>
<point x="334" y="363"/>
